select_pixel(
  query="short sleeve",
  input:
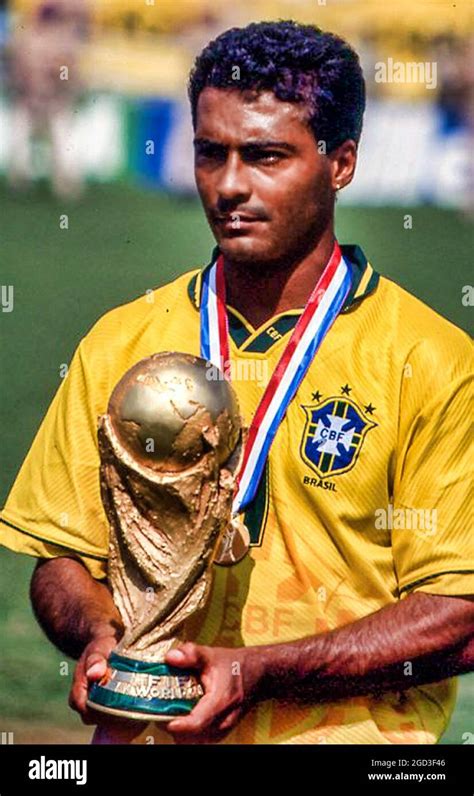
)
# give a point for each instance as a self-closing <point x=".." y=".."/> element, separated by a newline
<point x="432" y="540"/>
<point x="54" y="507"/>
<point x="23" y="542"/>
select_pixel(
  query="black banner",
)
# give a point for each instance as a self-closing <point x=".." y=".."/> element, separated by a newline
<point x="367" y="769"/>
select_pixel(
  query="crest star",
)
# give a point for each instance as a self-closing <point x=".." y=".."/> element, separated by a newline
<point x="369" y="409"/>
<point x="316" y="396"/>
<point x="346" y="389"/>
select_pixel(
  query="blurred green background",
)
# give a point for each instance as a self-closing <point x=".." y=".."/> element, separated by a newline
<point x="121" y="241"/>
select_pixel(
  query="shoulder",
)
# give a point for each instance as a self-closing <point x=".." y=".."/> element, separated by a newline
<point x="126" y="321"/>
<point x="424" y="339"/>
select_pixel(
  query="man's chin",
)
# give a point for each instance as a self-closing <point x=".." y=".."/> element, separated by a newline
<point x="244" y="249"/>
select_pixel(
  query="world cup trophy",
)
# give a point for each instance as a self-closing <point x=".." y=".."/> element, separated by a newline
<point x="170" y="446"/>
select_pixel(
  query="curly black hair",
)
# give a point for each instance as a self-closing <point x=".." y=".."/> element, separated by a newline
<point x="299" y="63"/>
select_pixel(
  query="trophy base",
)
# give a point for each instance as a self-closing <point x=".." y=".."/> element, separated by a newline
<point x="147" y="691"/>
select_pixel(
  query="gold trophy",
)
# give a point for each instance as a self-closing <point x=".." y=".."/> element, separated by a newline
<point x="170" y="446"/>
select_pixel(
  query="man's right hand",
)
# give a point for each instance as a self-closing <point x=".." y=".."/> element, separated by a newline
<point x="79" y="616"/>
<point x="91" y="666"/>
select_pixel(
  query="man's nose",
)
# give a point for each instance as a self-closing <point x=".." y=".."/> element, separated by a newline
<point x="233" y="184"/>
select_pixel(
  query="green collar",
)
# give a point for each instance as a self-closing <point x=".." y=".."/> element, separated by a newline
<point x="248" y="339"/>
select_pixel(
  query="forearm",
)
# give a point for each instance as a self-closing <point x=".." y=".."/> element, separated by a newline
<point x="421" y="639"/>
<point x="71" y="606"/>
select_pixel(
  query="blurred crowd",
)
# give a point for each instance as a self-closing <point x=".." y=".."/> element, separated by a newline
<point x="58" y="53"/>
<point x="43" y="84"/>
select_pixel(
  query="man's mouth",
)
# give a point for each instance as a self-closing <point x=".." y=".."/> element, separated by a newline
<point x="236" y="218"/>
<point x="236" y="222"/>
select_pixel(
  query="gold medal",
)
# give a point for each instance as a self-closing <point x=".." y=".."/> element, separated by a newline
<point x="234" y="545"/>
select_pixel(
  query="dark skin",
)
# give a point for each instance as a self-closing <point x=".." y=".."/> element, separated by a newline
<point x="257" y="158"/>
<point x="433" y="632"/>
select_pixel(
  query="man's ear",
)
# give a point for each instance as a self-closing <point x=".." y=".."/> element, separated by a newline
<point x="343" y="161"/>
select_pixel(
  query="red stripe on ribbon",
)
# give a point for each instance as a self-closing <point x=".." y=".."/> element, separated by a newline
<point x="223" y="325"/>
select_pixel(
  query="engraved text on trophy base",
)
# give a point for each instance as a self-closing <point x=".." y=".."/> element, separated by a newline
<point x="149" y="686"/>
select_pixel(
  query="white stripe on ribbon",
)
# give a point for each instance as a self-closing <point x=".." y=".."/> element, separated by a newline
<point x="213" y="320"/>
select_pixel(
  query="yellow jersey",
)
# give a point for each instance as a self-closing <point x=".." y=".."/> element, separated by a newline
<point x="364" y="498"/>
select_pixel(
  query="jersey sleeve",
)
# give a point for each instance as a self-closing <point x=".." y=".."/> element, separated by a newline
<point x="54" y="507"/>
<point x="432" y="540"/>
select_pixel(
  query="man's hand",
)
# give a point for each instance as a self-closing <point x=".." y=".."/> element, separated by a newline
<point x="229" y="678"/>
<point x="91" y="666"/>
<point x="433" y="632"/>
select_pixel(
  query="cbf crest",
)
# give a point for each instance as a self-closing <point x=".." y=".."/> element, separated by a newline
<point x="333" y="436"/>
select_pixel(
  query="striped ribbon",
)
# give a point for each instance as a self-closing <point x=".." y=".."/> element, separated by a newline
<point x="322" y="309"/>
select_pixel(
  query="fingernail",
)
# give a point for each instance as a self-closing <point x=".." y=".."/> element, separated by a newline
<point x="95" y="668"/>
<point x="177" y="654"/>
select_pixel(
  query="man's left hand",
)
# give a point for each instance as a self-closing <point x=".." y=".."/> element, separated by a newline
<point x="229" y="678"/>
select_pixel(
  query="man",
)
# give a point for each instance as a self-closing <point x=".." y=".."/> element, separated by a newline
<point x="349" y="615"/>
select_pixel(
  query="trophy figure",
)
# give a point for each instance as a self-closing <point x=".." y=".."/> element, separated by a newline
<point x="170" y="447"/>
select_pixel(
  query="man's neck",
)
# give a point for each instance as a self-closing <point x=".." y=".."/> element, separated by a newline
<point x="259" y="292"/>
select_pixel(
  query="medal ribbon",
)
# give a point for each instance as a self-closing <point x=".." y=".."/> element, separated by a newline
<point x="322" y="309"/>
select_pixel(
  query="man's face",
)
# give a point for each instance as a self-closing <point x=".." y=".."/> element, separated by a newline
<point x="266" y="190"/>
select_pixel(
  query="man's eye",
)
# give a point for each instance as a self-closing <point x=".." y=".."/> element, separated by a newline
<point x="211" y="153"/>
<point x="265" y="156"/>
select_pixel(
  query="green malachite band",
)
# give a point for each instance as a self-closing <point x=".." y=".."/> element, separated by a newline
<point x="165" y="707"/>
<point x="144" y="667"/>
